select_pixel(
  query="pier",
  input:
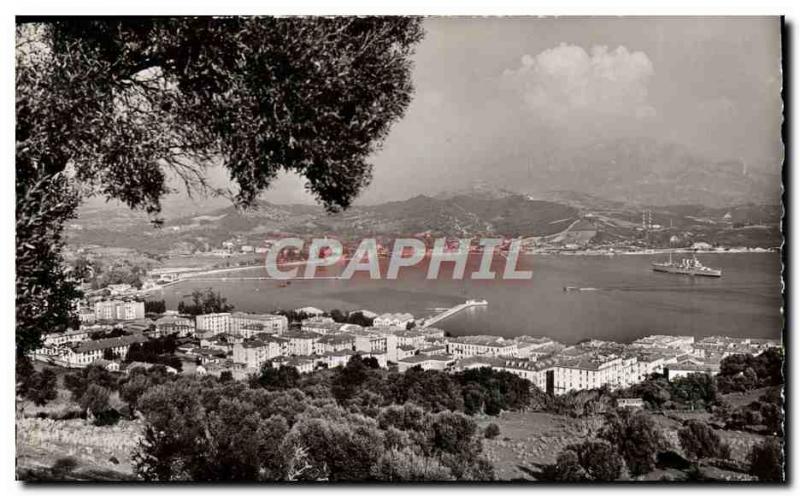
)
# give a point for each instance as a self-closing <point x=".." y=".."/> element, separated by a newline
<point x="452" y="311"/>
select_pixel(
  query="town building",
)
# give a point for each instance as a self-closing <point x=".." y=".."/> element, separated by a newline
<point x="215" y="323"/>
<point x="173" y="324"/>
<point x="466" y="346"/>
<point x="377" y="342"/>
<point x="320" y="325"/>
<point x="69" y="336"/>
<point x="255" y="353"/>
<point x="303" y="364"/>
<point x="426" y="362"/>
<point x="301" y="343"/>
<point x="79" y="355"/>
<point x="119" y="310"/>
<point x="393" y="320"/>
<point x="334" y="342"/>
<point x="272" y="324"/>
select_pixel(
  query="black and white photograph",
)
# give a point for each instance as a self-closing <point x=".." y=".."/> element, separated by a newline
<point x="394" y="249"/>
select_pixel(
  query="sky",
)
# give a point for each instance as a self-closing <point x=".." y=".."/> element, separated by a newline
<point x="493" y="94"/>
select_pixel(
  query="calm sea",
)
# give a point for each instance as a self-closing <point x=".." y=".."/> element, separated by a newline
<point x="627" y="300"/>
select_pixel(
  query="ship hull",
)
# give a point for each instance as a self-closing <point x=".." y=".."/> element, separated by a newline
<point x="687" y="271"/>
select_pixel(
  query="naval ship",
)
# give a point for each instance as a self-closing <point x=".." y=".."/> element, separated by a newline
<point x="687" y="266"/>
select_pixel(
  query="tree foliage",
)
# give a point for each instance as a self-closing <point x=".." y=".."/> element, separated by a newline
<point x="699" y="440"/>
<point x="204" y="302"/>
<point x="766" y="460"/>
<point x="587" y="461"/>
<point x="117" y="106"/>
<point x="636" y="437"/>
<point x="208" y="430"/>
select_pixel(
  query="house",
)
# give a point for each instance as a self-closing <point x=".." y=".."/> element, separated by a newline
<point x="426" y="362"/>
<point x="393" y="320"/>
<point x="209" y="355"/>
<point x="147" y="366"/>
<point x="320" y="325"/>
<point x="685" y="368"/>
<point x="630" y="403"/>
<point x="374" y="342"/>
<point x="303" y="364"/>
<point x="338" y="358"/>
<point x="119" y="289"/>
<point x="110" y="365"/>
<point x="86" y="315"/>
<point x="413" y="338"/>
<point x="407" y="351"/>
<point x="309" y="311"/>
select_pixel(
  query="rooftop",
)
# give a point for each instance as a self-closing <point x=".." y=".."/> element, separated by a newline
<point x="104" y="344"/>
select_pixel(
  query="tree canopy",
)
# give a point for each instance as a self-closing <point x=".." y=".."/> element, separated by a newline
<point x="117" y="106"/>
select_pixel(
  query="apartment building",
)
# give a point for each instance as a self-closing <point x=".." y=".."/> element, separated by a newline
<point x="254" y="354"/>
<point x="333" y="343"/>
<point x="301" y="343"/>
<point x="269" y="323"/>
<point x="591" y="372"/>
<point x="174" y="324"/>
<point x="119" y="310"/>
<point x="214" y="323"/>
<point x="377" y="342"/>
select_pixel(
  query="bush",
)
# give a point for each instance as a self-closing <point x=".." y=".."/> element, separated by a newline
<point x="766" y="460"/>
<point x="636" y="438"/>
<point x="40" y="387"/>
<point x="95" y="399"/>
<point x="491" y="431"/>
<point x="64" y="466"/>
<point x="588" y="461"/>
<point x="699" y="440"/>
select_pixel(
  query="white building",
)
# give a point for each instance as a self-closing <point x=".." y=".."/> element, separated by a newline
<point x="426" y="362"/>
<point x="301" y="343"/>
<point x="119" y="310"/>
<point x="215" y="323"/>
<point x="173" y="324"/>
<point x="272" y="324"/>
<point x="467" y="346"/>
<point x="82" y="354"/>
<point x="375" y="342"/>
<point x="393" y="320"/>
<point x="61" y="338"/>
<point x="253" y="354"/>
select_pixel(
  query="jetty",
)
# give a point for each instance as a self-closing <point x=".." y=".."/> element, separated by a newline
<point x="452" y="311"/>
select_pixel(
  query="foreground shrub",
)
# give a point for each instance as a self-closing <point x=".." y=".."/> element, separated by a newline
<point x="636" y="438"/>
<point x="491" y="431"/>
<point x="699" y="440"/>
<point x="766" y="460"/>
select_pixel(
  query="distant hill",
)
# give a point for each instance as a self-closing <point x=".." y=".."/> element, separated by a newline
<point x="460" y="215"/>
<point x="645" y="172"/>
